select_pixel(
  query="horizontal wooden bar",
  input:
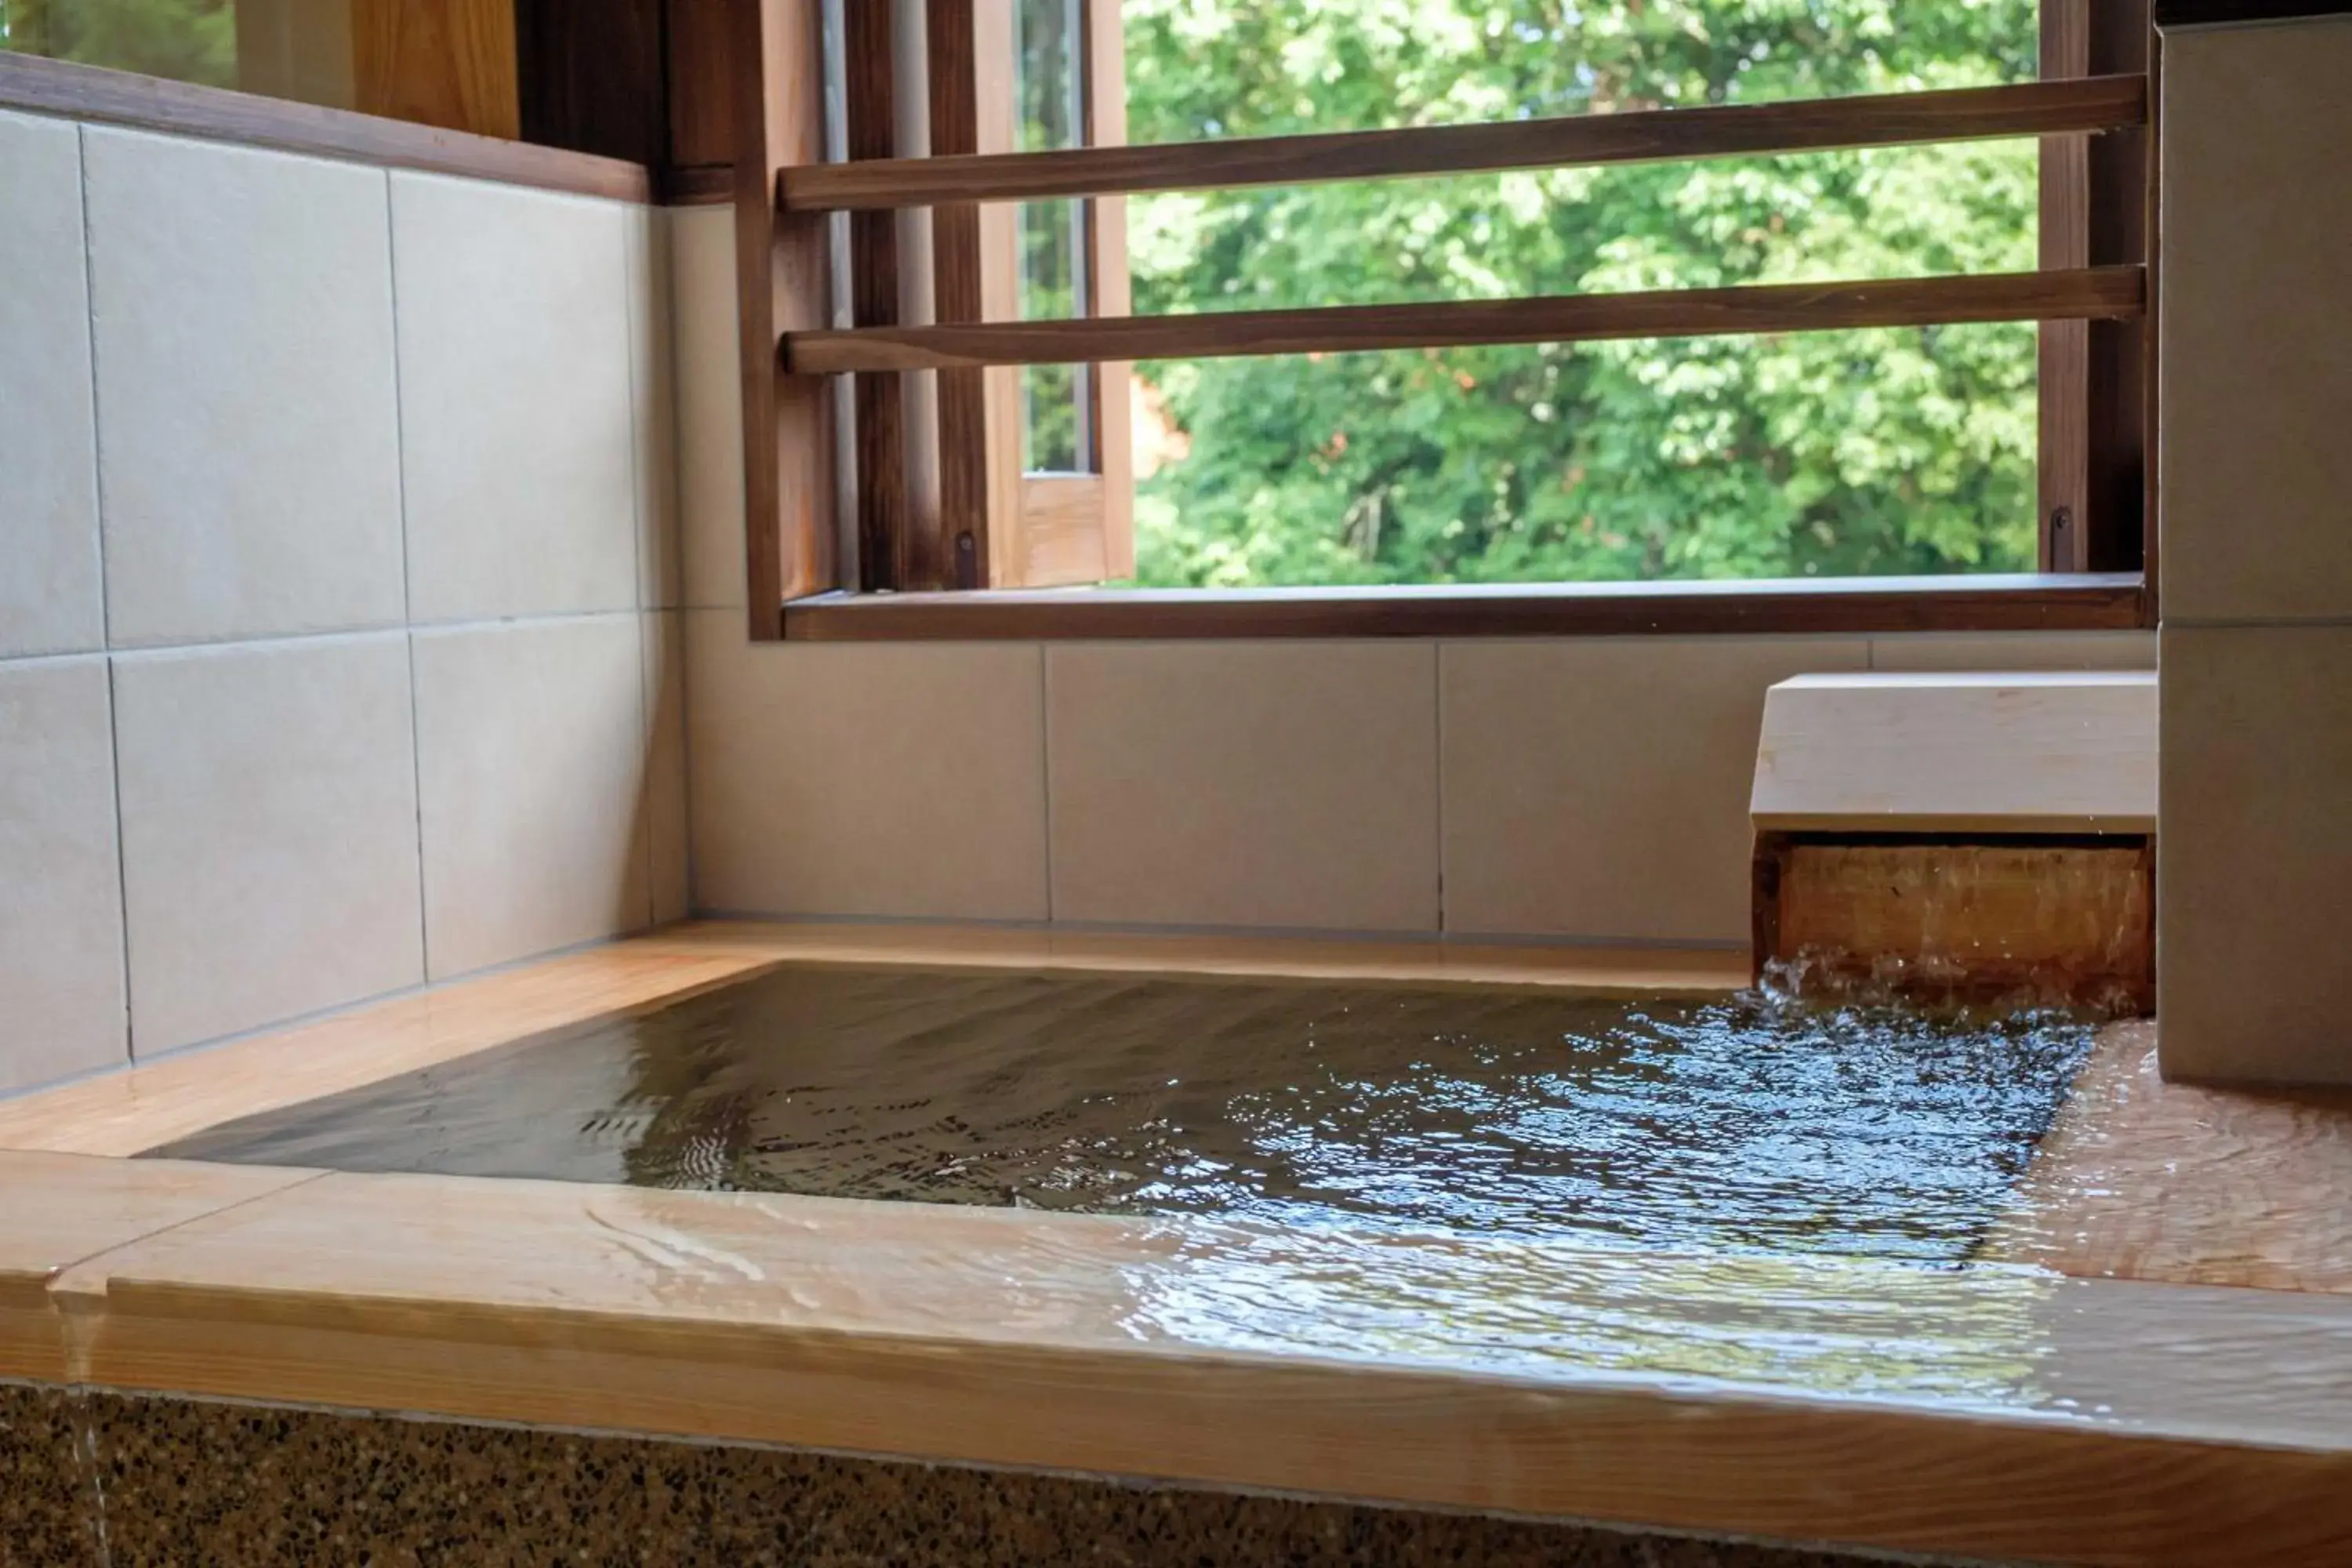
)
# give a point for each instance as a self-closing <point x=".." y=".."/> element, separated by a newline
<point x="152" y="103"/>
<point x="2027" y="109"/>
<point x="2075" y="602"/>
<point x="2086" y="293"/>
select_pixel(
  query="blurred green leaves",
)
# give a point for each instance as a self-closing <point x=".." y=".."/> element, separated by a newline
<point x="1832" y="454"/>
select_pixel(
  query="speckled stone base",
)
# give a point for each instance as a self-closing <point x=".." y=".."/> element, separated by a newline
<point x="45" y="1510"/>
<point x="194" y="1483"/>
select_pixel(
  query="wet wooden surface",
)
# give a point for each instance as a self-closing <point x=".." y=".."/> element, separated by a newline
<point x="2141" y="1179"/>
<point x="1989" y="1412"/>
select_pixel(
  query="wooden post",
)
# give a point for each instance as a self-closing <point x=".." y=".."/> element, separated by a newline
<point x="778" y="90"/>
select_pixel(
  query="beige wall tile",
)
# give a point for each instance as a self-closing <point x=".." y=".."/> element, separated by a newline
<point x="60" y="885"/>
<point x="865" y="779"/>
<point x="249" y="438"/>
<point x="1265" y="783"/>
<point x="665" y="792"/>
<point x="2254" y="854"/>
<point x="49" y="588"/>
<point x="652" y="364"/>
<point x="269" y="832"/>
<point x="1598" y="788"/>
<point x="516" y="416"/>
<point x="531" y="772"/>
<point x="2016" y="650"/>
<point x="709" y="404"/>
<point x="2257" y="332"/>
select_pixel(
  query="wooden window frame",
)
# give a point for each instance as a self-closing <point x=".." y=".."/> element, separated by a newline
<point x="2098" y="554"/>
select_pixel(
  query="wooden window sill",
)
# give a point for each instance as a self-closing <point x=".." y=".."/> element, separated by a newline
<point x="2073" y="602"/>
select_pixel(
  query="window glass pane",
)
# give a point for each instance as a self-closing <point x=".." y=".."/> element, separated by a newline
<point x="1845" y="453"/>
<point x="1057" y="400"/>
<point x="187" y="40"/>
<point x="364" y="55"/>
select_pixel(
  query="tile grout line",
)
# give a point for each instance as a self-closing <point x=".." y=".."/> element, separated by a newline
<point x="407" y="589"/>
<point x="633" y="225"/>
<point x="105" y="604"/>
<point x="1045" y="764"/>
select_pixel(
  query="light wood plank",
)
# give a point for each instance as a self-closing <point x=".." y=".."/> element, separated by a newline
<point x="2141" y="1179"/>
<point x="2109" y="292"/>
<point x="59" y="1210"/>
<point x="1991" y="1413"/>
<point x="1959" y="753"/>
<point x="1967" y="113"/>
<point x="2060" y="924"/>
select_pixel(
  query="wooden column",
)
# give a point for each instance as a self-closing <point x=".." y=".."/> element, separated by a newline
<point x="777" y="89"/>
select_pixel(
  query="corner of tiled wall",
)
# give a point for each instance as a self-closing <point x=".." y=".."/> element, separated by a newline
<point x="339" y="645"/>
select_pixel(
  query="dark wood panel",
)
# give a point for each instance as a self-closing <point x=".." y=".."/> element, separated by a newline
<point x="2024" y="109"/>
<point x="2190" y="12"/>
<point x="699" y="184"/>
<point x="152" y="103"/>
<point x="2066" y="346"/>
<point x="777" y="99"/>
<point x="879" y="437"/>
<point x="2113" y="293"/>
<point x="2119" y="360"/>
<point x="594" y="77"/>
<point x="702" y="99"/>
<point x="958" y="556"/>
<point x="2077" y="602"/>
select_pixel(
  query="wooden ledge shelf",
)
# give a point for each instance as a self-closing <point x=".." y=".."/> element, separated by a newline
<point x="2090" y="293"/>
<point x="1849" y="606"/>
<point x="2029" y="109"/>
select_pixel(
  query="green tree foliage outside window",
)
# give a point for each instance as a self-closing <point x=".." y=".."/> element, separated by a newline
<point x="1908" y="452"/>
<point x="187" y="40"/>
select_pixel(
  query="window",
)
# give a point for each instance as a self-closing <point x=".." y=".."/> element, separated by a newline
<point x="1501" y="292"/>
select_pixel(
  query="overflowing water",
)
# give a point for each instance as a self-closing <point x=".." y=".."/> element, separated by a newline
<point x="1742" y="1123"/>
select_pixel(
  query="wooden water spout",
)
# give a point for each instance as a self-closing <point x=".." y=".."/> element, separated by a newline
<point x="1959" y="837"/>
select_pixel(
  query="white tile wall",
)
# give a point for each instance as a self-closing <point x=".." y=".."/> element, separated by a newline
<point x="2254" y="853"/>
<point x="2254" y="829"/>
<point x="2015" y="650"/>
<point x="866" y="780"/>
<point x="652" y="387"/>
<point x="709" y="406"/>
<point x="1288" y="784"/>
<point x="1598" y="789"/>
<point x="248" y="537"/>
<point x="268" y="797"/>
<point x="50" y="591"/>
<point x="665" y="792"/>
<point x="517" y="420"/>
<point x="60" y="885"/>
<point x="248" y="448"/>
<point x="531" y="757"/>
<point x="2256" y="486"/>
